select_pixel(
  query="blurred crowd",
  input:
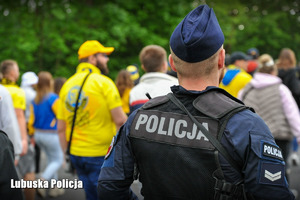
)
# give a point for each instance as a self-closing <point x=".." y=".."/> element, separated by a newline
<point x="78" y="116"/>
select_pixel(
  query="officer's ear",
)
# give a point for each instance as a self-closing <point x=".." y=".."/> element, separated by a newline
<point x="221" y="59"/>
<point x="171" y="62"/>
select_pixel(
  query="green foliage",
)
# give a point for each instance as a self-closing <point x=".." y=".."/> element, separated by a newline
<point x="46" y="35"/>
<point x="269" y="25"/>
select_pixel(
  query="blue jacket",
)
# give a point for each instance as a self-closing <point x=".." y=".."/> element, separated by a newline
<point x="246" y="138"/>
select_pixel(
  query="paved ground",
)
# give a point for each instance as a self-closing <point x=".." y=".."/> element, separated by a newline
<point x="71" y="194"/>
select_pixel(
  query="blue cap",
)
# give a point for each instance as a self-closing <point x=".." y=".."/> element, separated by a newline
<point x="238" y="55"/>
<point x="198" y="36"/>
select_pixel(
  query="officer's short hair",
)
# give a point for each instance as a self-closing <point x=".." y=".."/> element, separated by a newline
<point x="198" y="69"/>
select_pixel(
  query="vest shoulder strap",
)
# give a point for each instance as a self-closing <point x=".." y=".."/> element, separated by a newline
<point x="225" y="103"/>
<point x="155" y="102"/>
<point x="208" y="135"/>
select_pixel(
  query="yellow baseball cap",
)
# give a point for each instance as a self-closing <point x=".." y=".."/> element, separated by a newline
<point x="92" y="47"/>
<point x="134" y="72"/>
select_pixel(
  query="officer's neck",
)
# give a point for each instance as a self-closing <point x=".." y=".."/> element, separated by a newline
<point x="197" y="84"/>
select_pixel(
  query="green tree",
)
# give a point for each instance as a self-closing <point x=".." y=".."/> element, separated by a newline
<point x="46" y="35"/>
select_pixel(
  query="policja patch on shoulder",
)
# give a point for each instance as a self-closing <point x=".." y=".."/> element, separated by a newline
<point x="110" y="148"/>
<point x="272" y="168"/>
<point x="272" y="151"/>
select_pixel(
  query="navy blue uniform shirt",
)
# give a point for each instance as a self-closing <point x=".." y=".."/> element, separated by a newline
<point x="246" y="138"/>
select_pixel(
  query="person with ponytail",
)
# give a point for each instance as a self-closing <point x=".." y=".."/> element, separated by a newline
<point x="43" y="124"/>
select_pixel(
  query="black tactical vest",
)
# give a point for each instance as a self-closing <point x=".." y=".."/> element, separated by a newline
<point x="174" y="158"/>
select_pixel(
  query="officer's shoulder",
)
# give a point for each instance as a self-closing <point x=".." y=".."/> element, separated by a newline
<point x="223" y="103"/>
<point x="155" y="102"/>
<point x="248" y="118"/>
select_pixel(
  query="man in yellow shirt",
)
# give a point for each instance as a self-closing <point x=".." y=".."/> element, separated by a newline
<point x="236" y="76"/>
<point x="26" y="164"/>
<point x="10" y="71"/>
<point x="99" y="114"/>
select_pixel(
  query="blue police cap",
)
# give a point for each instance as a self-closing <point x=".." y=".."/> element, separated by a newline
<point x="198" y="36"/>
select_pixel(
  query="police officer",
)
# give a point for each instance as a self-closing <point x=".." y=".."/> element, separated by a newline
<point x="174" y="140"/>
